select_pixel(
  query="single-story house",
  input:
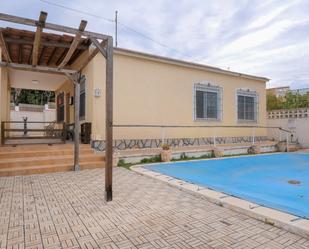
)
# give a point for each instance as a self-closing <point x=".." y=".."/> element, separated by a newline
<point x="154" y="91"/>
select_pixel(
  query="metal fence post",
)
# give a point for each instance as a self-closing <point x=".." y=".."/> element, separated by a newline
<point x="287" y="142"/>
<point x="215" y="136"/>
<point x="253" y="135"/>
<point x="64" y="132"/>
<point x="162" y="135"/>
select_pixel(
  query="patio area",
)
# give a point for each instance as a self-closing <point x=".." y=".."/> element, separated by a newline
<point x="68" y="210"/>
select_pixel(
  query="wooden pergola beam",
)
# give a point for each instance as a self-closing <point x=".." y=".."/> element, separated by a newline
<point x="92" y="54"/>
<point x="30" y="55"/>
<point x="41" y="57"/>
<point x="52" y="56"/>
<point x="76" y="77"/>
<point x="43" y="69"/>
<point x="37" y="38"/>
<point x="98" y="46"/>
<point x="61" y="57"/>
<point x="20" y="53"/>
<point x="74" y="44"/>
<point x="43" y="43"/>
<point x="51" y="26"/>
<point x="4" y="48"/>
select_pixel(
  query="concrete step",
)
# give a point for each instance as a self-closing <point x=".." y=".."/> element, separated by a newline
<point x="29" y="170"/>
<point x="34" y="159"/>
<point x="47" y="160"/>
<point x="33" y="141"/>
<point x="43" y="152"/>
<point x="41" y="147"/>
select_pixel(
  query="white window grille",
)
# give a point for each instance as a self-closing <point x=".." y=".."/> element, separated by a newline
<point x="247" y="106"/>
<point x="207" y="102"/>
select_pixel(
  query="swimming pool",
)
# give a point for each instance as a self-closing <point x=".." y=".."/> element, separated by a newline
<point x="279" y="181"/>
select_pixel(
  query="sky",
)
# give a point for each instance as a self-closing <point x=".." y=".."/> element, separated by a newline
<point x="263" y="38"/>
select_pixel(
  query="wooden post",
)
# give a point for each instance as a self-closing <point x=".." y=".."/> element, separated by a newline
<point x="76" y="123"/>
<point x="109" y="122"/>
<point x="2" y="133"/>
<point x="64" y="131"/>
<point x="4" y="48"/>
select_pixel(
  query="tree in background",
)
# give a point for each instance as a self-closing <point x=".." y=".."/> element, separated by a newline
<point x="272" y="102"/>
<point x="289" y="101"/>
<point x="34" y="97"/>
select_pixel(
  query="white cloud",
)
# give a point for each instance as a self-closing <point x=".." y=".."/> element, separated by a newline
<point x="272" y="13"/>
<point x="270" y="38"/>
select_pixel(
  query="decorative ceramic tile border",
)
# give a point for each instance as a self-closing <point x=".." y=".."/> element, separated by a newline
<point x="271" y="216"/>
<point x="122" y="144"/>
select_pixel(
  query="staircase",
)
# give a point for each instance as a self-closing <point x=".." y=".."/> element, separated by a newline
<point x="37" y="159"/>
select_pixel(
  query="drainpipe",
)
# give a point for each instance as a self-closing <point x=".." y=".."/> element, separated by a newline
<point x="162" y="135"/>
<point x="253" y="136"/>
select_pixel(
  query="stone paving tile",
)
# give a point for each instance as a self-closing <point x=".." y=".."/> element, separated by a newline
<point x="68" y="210"/>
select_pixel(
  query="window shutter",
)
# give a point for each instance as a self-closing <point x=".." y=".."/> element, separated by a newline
<point x="212" y="105"/>
<point x="208" y="102"/>
<point x="247" y="105"/>
<point x="199" y="104"/>
<point x="241" y="107"/>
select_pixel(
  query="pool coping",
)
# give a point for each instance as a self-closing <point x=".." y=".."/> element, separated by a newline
<point x="280" y="219"/>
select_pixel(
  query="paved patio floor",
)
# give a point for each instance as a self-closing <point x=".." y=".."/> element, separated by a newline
<point x="67" y="210"/>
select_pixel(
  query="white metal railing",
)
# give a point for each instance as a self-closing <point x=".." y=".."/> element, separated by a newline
<point x="163" y="130"/>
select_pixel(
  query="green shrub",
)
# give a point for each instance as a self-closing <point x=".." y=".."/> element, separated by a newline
<point x="123" y="164"/>
<point x="184" y="157"/>
<point x="155" y="159"/>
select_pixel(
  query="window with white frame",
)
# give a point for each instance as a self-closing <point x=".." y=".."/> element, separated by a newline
<point x="207" y="102"/>
<point x="247" y="106"/>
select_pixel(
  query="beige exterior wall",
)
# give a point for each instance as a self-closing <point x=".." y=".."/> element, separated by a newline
<point x="5" y="94"/>
<point x="67" y="87"/>
<point x="150" y="91"/>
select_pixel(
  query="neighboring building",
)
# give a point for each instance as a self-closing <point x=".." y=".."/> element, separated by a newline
<point x="152" y="90"/>
<point x="301" y="91"/>
<point x="281" y="91"/>
<point x="278" y="91"/>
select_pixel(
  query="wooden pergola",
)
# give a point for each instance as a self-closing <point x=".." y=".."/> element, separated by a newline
<point x="53" y="53"/>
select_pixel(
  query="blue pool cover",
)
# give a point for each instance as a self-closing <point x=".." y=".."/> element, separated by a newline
<point x="279" y="181"/>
